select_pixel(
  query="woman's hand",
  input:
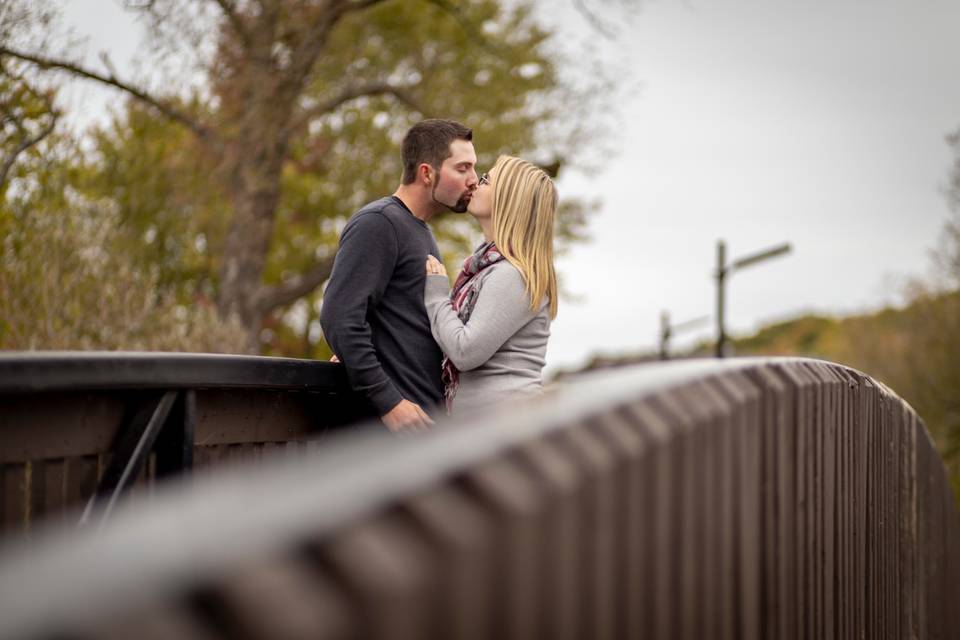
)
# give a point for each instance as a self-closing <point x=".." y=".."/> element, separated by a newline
<point x="435" y="267"/>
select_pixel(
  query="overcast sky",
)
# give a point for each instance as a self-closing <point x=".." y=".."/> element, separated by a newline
<point x="821" y="124"/>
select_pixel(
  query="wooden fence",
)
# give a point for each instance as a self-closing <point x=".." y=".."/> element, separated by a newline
<point x="745" y="498"/>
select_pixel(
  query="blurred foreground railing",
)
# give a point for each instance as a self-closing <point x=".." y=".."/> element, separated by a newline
<point x="79" y="429"/>
<point x="744" y="498"/>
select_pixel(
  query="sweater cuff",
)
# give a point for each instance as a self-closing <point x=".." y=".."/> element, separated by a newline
<point x="384" y="398"/>
<point x="437" y="286"/>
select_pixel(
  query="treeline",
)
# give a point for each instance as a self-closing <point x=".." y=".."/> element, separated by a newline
<point x="204" y="213"/>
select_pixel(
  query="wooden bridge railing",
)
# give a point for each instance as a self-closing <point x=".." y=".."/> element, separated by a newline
<point x="78" y="429"/>
<point x="744" y="498"/>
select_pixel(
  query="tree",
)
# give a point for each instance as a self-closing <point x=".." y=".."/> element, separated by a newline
<point x="27" y="116"/>
<point x="27" y="113"/>
<point x="298" y="116"/>
<point x="67" y="281"/>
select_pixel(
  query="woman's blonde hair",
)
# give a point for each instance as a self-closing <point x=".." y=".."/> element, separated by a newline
<point x="524" y="205"/>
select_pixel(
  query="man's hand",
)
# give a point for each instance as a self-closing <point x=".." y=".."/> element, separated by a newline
<point x="406" y="416"/>
<point x="435" y="267"/>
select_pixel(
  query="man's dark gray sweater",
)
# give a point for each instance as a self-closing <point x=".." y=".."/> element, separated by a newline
<point x="373" y="314"/>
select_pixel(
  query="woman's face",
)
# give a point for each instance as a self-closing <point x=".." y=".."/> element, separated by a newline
<point x="481" y="205"/>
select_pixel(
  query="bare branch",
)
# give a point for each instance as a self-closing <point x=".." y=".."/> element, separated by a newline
<point x="352" y="93"/>
<point x="467" y="25"/>
<point x="23" y="146"/>
<point x="201" y="131"/>
<point x="315" y="38"/>
<point x="359" y="5"/>
<point x="602" y="28"/>
<point x="108" y="63"/>
<point x="269" y="298"/>
<point x="229" y="10"/>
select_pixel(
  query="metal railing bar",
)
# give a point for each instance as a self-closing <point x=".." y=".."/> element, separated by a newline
<point x="174" y="446"/>
<point x="129" y="459"/>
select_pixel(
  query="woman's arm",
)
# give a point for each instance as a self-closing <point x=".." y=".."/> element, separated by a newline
<point x="502" y="308"/>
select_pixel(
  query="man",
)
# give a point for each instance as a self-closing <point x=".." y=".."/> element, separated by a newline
<point x="373" y="314"/>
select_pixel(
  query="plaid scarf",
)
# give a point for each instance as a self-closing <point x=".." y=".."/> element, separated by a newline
<point x="463" y="298"/>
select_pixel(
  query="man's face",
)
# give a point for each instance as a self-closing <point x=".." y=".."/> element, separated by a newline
<point x="454" y="184"/>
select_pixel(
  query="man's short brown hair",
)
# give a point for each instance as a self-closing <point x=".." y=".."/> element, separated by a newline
<point x="429" y="141"/>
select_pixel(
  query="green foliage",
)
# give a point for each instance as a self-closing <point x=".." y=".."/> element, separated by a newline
<point x="499" y="87"/>
<point x="173" y="197"/>
<point x="66" y="281"/>
<point x="171" y="207"/>
<point x="177" y="193"/>
<point x="809" y="335"/>
<point x="27" y="116"/>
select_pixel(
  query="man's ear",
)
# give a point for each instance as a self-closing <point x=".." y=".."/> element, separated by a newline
<point x="426" y="172"/>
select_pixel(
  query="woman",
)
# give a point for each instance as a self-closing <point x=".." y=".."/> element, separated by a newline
<point x="493" y="326"/>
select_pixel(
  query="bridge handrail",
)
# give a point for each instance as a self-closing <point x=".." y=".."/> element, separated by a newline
<point x="36" y="371"/>
<point x="81" y="428"/>
<point x="764" y="497"/>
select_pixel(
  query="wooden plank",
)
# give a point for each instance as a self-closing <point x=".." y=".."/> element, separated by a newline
<point x="36" y="490"/>
<point x="725" y="529"/>
<point x="386" y="570"/>
<point x="55" y="489"/>
<point x="154" y="621"/>
<point x="513" y="499"/>
<point x="713" y="519"/>
<point x="558" y="477"/>
<point x="780" y="428"/>
<point x="598" y="506"/>
<point x="768" y="431"/>
<point x="656" y="561"/>
<point x="828" y="385"/>
<point x="237" y="416"/>
<point x="279" y="598"/>
<point x="81" y="480"/>
<point x="14" y="502"/>
<point x="743" y="404"/>
<point x="792" y="461"/>
<point x="58" y="425"/>
<point x="625" y="442"/>
<point x="462" y="538"/>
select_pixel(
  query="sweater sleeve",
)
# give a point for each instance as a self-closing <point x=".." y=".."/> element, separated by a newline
<point x="502" y="308"/>
<point x="362" y="269"/>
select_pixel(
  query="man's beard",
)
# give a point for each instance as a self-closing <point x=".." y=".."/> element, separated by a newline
<point x="460" y="206"/>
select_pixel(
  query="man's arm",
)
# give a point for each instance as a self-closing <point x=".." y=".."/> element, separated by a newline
<point x="361" y="271"/>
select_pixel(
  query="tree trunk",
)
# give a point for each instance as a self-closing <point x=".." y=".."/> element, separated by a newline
<point x="247" y="245"/>
<point x="254" y="163"/>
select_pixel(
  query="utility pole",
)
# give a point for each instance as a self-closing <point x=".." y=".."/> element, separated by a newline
<point x="664" y="335"/>
<point x="721" y="281"/>
<point x="724" y="270"/>
<point x="667" y="330"/>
